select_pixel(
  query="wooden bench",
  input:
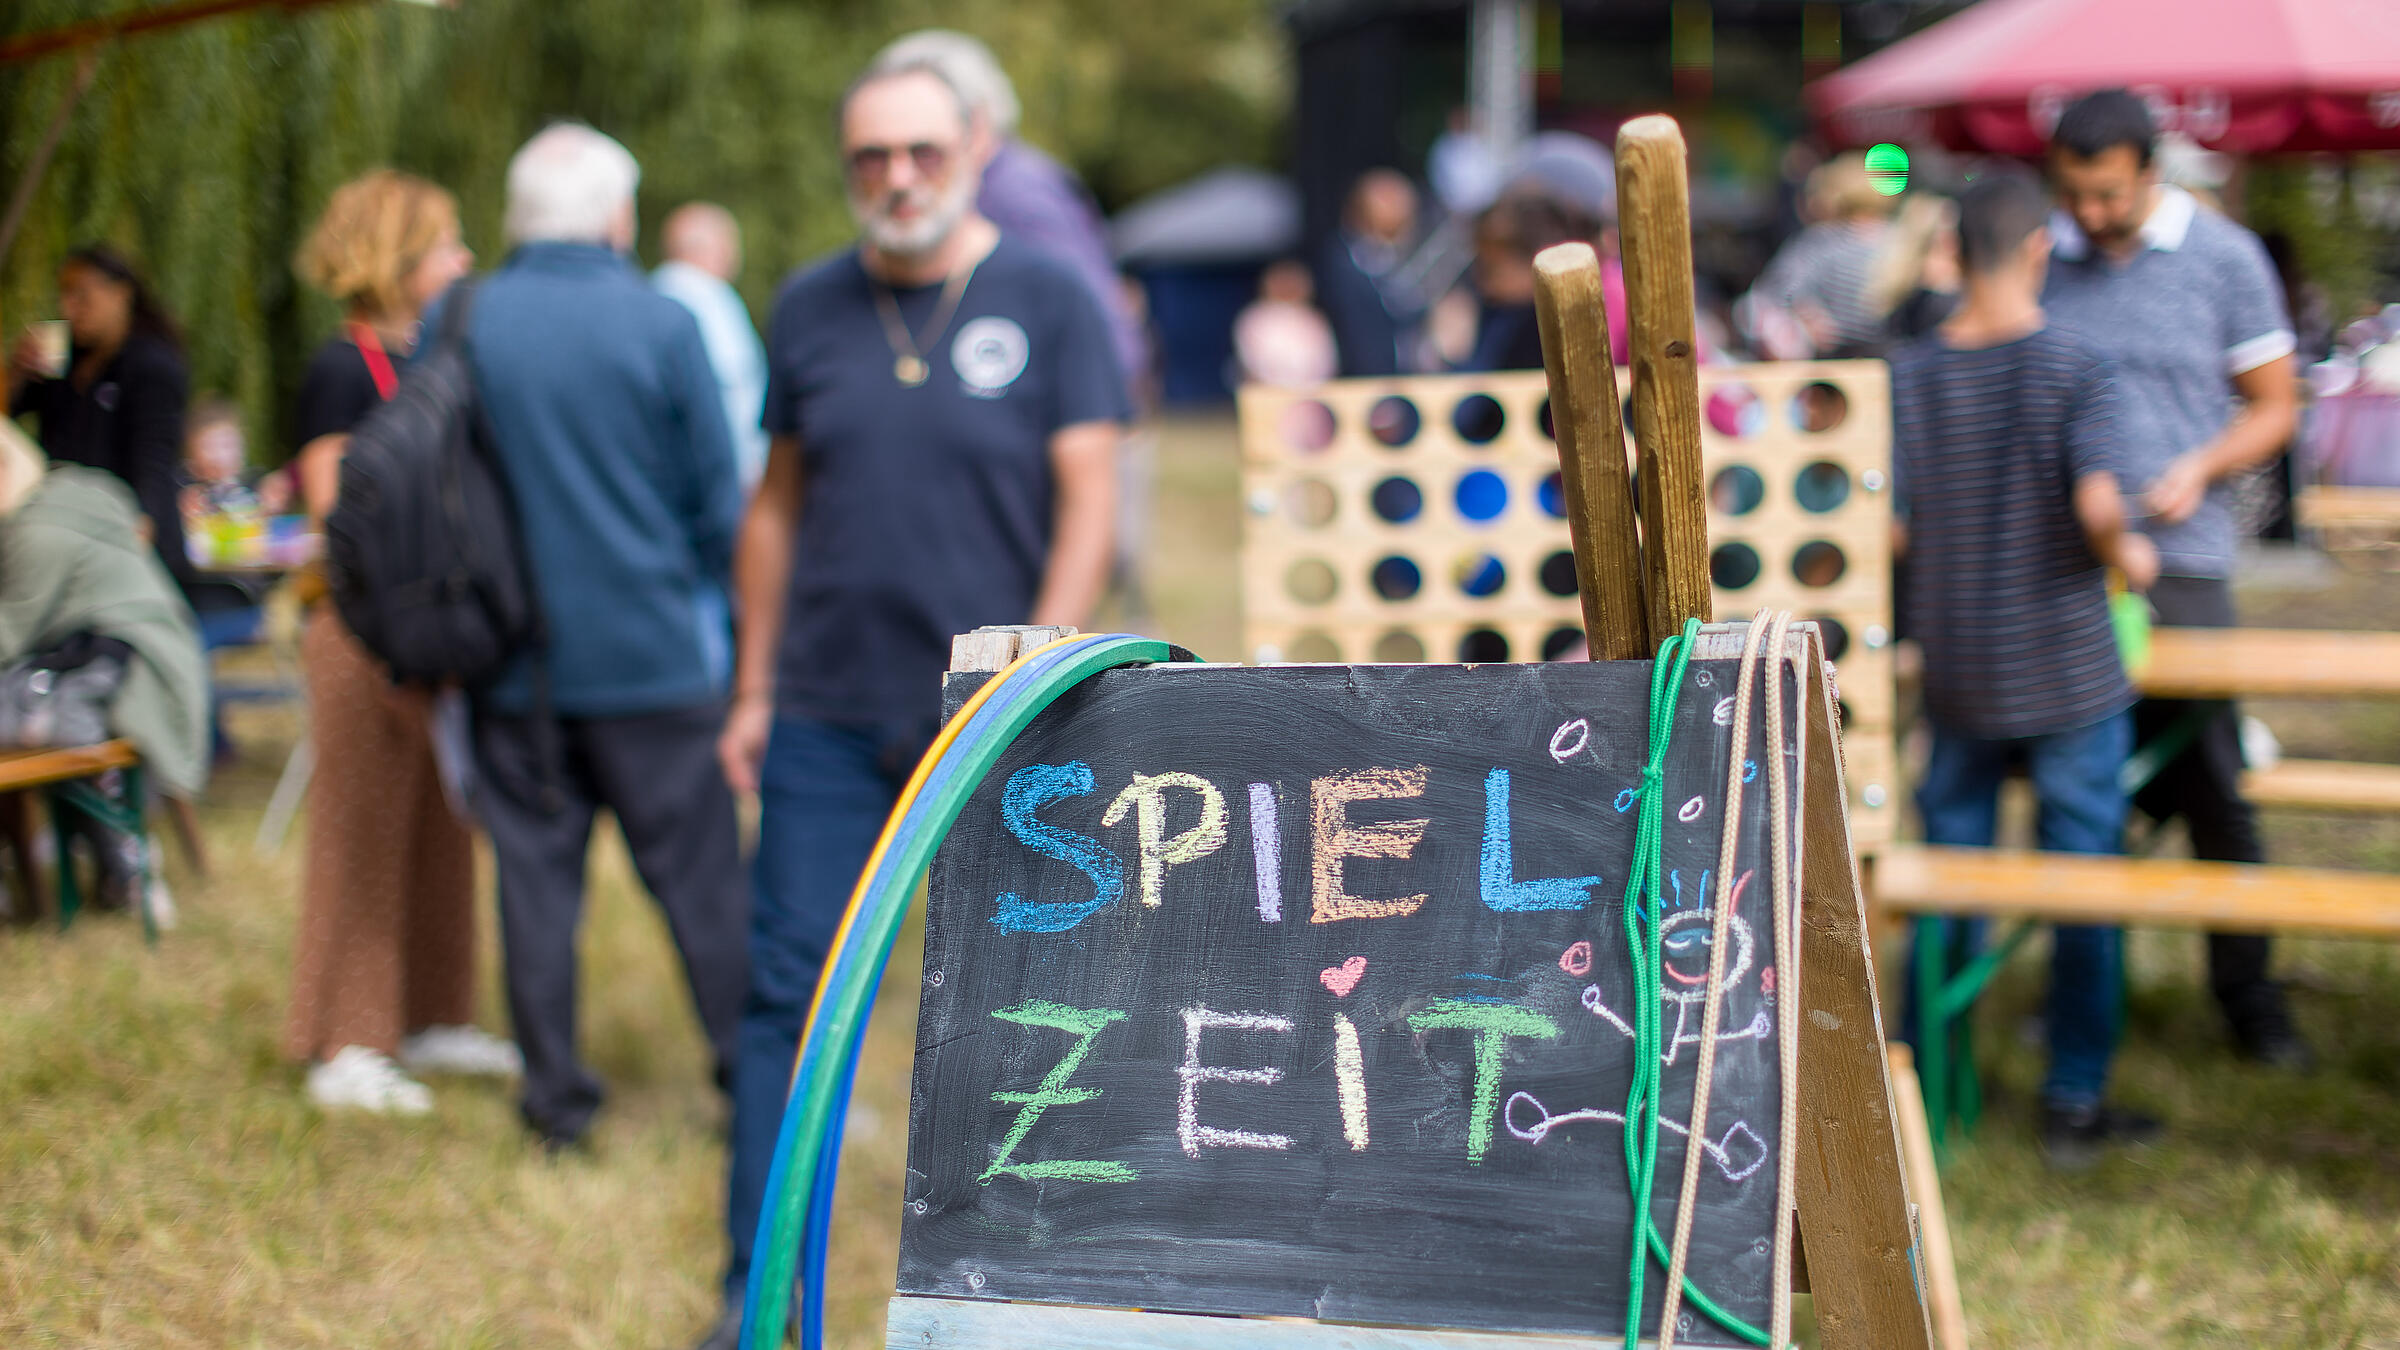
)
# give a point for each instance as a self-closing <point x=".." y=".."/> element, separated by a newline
<point x="2313" y="663"/>
<point x="65" y="774"/>
<point x="1931" y="883"/>
<point x="2171" y="892"/>
<point x="2358" y="524"/>
<point x="2325" y="785"/>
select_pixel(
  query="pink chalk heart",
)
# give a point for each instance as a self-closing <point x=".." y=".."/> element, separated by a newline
<point x="1343" y="978"/>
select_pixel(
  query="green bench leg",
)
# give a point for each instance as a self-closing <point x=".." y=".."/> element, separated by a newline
<point x="1946" y="1024"/>
<point x="128" y="815"/>
<point x="1933" y="1029"/>
<point x="70" y="889"/>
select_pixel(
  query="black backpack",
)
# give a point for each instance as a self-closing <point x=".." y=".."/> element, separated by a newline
<point x="423" y="551"/>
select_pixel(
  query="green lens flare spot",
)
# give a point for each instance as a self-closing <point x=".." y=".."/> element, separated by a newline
<point x="1887" y="168"/>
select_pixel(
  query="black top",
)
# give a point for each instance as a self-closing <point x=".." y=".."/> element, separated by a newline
<point x="1366" y="332"/>
<point x="2003" y="591"/>
<point x="129" y="422"/>
<point x="336" y="391"/>
<point x="925" y="511"/>
<point x="1507" y="337"/>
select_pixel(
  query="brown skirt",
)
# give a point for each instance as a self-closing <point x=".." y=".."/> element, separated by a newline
<point x="387" y="904"/>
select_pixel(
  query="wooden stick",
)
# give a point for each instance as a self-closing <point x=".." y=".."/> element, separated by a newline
<point x="1655" y="223"/>
<point x="1590" y="427"/>
<point x="93" y="32"/>
<point x="21" y="200"/>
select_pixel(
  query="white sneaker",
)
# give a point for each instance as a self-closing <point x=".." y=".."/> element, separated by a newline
<point x="469" y="1051"/>
<point x="360" y="1079"/>
<point x="161" y="903"/>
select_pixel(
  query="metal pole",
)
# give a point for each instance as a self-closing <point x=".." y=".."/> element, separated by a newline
<point x="1500" y="74"/>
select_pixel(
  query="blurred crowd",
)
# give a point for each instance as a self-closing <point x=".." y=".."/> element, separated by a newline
<point x="751" y="549"/>
<point x="2095" y="385"/>
<point x="748" y="551"/>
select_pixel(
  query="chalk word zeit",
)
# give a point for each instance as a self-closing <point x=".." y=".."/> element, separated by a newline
<point x="1334" y="838"/>
<point x="1489" y="1026"/>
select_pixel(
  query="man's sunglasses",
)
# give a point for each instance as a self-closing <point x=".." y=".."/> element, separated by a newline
<point x="872" y="163"/>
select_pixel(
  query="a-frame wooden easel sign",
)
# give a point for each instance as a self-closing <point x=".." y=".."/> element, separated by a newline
<point x="1303" y="1007"/>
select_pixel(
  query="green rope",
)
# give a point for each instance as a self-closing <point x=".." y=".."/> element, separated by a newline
<point x="1645" y="902"/>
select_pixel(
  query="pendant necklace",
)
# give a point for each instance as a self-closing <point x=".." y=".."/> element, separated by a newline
<point x="908" y="361"/>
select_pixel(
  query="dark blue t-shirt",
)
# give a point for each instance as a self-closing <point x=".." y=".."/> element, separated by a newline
<point x="924" y="512"/>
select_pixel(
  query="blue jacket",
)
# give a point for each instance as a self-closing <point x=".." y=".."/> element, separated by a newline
<point x="610" y="426"/>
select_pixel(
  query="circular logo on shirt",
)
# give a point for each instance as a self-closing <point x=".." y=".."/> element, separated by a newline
<point x="989" y="354"/>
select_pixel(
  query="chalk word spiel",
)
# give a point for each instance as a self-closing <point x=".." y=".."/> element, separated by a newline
<point x="1333" y="839"/>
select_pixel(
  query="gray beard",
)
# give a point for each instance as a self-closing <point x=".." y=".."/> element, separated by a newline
<point x="920" y="237"/>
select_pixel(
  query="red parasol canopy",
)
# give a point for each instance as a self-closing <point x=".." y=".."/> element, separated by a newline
<point x="2243" y="76"/>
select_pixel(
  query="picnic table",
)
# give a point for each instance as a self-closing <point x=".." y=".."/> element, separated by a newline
<point x="1932" y="882"/>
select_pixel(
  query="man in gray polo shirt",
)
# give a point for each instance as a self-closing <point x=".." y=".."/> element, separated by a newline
<point x="2187" y="304"/>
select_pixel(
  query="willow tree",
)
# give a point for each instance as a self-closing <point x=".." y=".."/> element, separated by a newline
<point x="207" y="151"/>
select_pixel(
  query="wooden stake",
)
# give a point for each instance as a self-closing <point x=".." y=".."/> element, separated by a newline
<point x="1655" y="224"/>
<point x="1590" y="427"/>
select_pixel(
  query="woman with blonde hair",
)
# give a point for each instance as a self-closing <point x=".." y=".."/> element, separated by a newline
<point x="385" y="962"/>
<point x="1812" y="299"/>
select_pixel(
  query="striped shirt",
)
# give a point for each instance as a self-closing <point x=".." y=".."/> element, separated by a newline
<point x="2001" y="590"/>
<point x="1826" y="268"/>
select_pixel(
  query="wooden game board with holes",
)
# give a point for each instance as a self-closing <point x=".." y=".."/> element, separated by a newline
<point x="1420" y="519"/>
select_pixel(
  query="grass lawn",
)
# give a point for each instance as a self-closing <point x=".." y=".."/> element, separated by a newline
<point x="163" y="1184"/>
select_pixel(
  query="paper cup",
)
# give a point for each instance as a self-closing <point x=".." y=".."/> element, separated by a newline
<point x="52" y="338"/>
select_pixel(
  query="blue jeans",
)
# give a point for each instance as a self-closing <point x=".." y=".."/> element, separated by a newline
<point x="225" y="628"/>
<point x="823" y="796"/>
<point x="2081" y="810"/>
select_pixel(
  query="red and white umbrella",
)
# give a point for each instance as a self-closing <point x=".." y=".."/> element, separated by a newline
<point x="2243" y="76"/>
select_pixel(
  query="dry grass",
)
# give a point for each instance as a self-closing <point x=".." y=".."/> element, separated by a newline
<point x="162" y="1184"/>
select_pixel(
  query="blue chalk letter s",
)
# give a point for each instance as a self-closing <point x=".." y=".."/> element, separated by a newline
<point x="1029" y="789"/>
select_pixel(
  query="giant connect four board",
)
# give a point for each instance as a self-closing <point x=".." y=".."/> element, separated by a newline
<point x="1422" y="519"/>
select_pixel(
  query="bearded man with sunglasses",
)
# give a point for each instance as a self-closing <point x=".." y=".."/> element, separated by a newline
<point x="945" y="406"/>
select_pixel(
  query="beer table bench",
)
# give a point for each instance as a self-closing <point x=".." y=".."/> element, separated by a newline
<point x="1933" y="883"/>
<point x="66" y="774"/>
<point x="2359" y="525"/>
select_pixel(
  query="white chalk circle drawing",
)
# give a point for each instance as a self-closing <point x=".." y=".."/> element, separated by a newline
<point x="1691" y="810"/>
<point x="1561" y="748"/>
<point x="989" y="354"/>
<point x="1738" y="1137"/>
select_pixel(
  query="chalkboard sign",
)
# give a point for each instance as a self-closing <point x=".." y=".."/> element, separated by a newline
<point x="1306" y="991"/>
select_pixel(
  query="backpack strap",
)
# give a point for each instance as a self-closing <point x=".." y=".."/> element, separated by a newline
<point x="548" y="740"/>
<point x="379" y="362"/>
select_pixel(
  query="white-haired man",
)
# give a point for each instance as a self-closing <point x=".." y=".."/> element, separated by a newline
<point x="607" y="419"/>
<point x="945" y="412"/>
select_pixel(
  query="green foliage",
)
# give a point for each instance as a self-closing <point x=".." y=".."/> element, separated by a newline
<point x="208" y="150"/>
<point x="2316" y="202"/>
